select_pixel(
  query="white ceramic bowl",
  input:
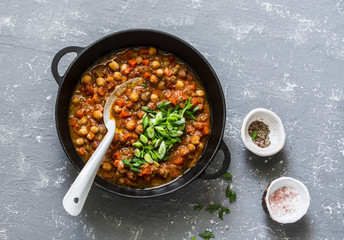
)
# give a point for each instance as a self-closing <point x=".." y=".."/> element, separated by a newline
<point x="303" y="203"/>
<point x="277" y="134"/>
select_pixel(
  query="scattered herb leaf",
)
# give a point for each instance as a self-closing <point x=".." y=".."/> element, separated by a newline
<point x="221" y="214"/>
<point x="227" y="175"/>
<point x="228" y="192"/>
<point x="226" y="210"/>
<point x="213" y="207"/>
<point x="207" y="234"/>
<point x="223" y="210"/>
<point x="198" y="207"/>
<point x="231" y="195"/>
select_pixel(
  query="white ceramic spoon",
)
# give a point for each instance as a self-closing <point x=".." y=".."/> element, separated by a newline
<point x="75" y="198"/>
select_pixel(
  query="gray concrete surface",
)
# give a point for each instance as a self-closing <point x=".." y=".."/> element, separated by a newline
<point x="287" y="56"/>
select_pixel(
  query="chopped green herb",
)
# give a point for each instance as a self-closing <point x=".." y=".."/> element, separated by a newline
<point x="150" y="132"/>
<point x="192" y="238"/>
<point x="127" y="161"/>
<point x="198" y="207"/>
<point x="228" y="192"/>
<point x="207" y="234"/>
<point x="226" y="210"/>
<point x="162" y="129"/>
<point x="221" y="214"/>
<point x="137" y="145"/>
<point x="135" y="169"/>
<point x="223" y="210"/>
<point x="144" y="84"/>
<point x="227" y="175"/>
<point x="254" y="135"/>
<point x="213" y="207"/>
<point x="195" y="109"/>
<point x="148" y="158"/>
<point x="143" y="138"/>
<point x="230" y="195"/>
<point x="145" y="121"/>
<point x="146" y="109"/>
<point x="137" y="152"/>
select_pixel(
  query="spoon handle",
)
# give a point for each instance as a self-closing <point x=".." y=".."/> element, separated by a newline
<point x="75" y="198"/>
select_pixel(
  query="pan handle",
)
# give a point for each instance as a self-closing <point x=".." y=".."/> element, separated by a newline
<point x="57" y="59"/>
<point x="224" y="167"/>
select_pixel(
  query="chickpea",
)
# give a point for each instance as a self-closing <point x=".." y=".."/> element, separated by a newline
<point x="159" y="72"/>
<point x="117" y="76"/>
<point x="155" y="64"/>
<point x="101" y="91"/>
<point x="86" y="79"/>
<point x="94" y="129"/>
<point x="200" y="93"/>
<point x="195" y="139"/>
<point x="183" y="151"/>
<point x="100" y="81"/>
<point x="139" y="59"/>
<point x="114" y="65"/>
<point x="79" y="141"/>
<point x="130" y="125"/>
<point x="139" y="129"/>
<point x="107" y="166"/>
<point x="191" y="147"/>
<point x="110" y="79"/>
<point x="179" y="84"/>
<point x="83" y="120"/>
<point x="153" y="79"/>
<point x="134" y="96"/>
<point x="117" y="109"/>
<point x="152" y="51"/>
<point x="76" y="100"/>
<point x="82" y="131"/>
<point x="161" y="85"/>
<point x="98" y="115"/>
<point x="154" y="97"/>
<point x="124" y="66"/>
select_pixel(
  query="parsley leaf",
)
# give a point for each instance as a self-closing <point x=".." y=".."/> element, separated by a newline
<point x="207" y="234"/>
<point x="231" y="195"/>
<point x="198" y="207"/>
<point x="227" y="175"/>
<point x="221" y="214"/>
<point x="213" y="207"/>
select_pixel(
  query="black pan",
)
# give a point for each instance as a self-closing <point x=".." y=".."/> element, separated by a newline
<point x="86" y="56"/>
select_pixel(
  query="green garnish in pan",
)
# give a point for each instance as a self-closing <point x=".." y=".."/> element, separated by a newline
<point x="161" y="130"/>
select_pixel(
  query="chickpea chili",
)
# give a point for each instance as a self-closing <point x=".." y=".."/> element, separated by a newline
<point x="169" y="87"/>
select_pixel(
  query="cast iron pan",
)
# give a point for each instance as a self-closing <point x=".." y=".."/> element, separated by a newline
<point x="86" y="56"/>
